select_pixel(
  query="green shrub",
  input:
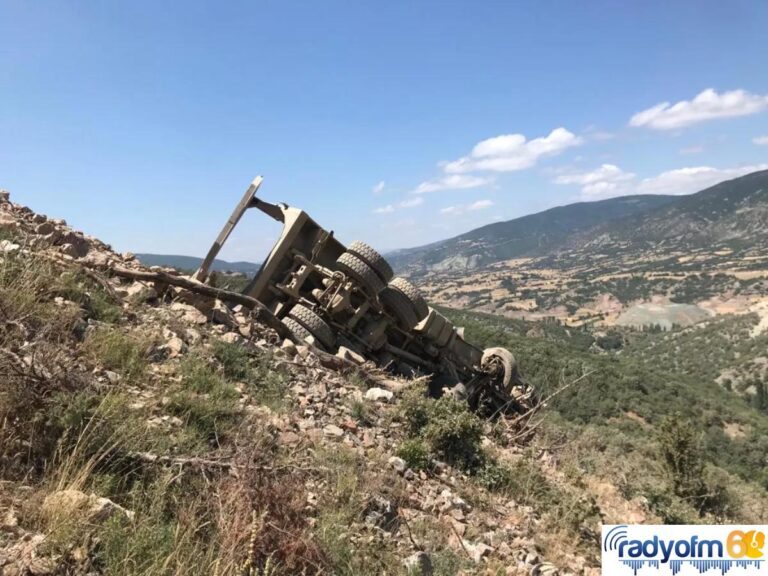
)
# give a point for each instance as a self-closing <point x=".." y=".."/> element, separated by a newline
<point x="415" y="453"/>
<point x="454" y="433"/>
<point x="233" y="358"/>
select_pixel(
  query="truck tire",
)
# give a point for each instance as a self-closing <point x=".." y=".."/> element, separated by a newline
<point x="399" y="306"/>
<point x="413" y="295"/>
<point x="359" y="271"/>
<point x="314" y="324"/>
<point x="298" y="330"/>
<point x="507" y="361"/>
<point x="372" y="258"/>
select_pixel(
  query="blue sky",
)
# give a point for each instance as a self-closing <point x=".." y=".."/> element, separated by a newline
<point x="397" y="123"/>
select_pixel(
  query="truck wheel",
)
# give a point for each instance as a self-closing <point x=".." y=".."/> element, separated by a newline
<point x="398" y="304"/>
<point x="413" y="295"/>
<point x="314" y="324"/>
<point x="372" y="258"/>
<point x="358" y="270"/>
<point x="298" y="330"/>
<point x="503" y="358"/>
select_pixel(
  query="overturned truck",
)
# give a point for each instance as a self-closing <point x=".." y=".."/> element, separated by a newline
<point x="332" y="295"/>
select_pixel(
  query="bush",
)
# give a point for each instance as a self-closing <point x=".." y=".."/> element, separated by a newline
<point x="415" y="453"/>
<point x="454" y="433"/>
<point x="446" y="426"/>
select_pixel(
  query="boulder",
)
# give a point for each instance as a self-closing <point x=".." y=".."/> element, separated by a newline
<point x="379" y="395"/>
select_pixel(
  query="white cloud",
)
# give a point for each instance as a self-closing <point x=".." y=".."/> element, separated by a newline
<point x="407" y="203"/>
<point x="693" y="179"/>
<point x="460" y="209"/>
<point x="511" y="152"/>
<point x="760" y="140"/>
<point x="411" y="202"/>
<point x="607" y="180"/>
<point x="379" y="188"/>
<point x="707" y="105"/>
<point x="452" y="182"/>
<point x="692" y="150"/>
<point x="480" y="205"/>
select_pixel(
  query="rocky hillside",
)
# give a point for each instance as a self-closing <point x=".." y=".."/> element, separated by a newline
<point x="732" y="214"/>
<point x="534" y="235"/>
<point x="146" y="429"/>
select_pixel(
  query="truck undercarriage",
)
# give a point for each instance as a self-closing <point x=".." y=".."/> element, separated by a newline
<point x="332" y="295"/>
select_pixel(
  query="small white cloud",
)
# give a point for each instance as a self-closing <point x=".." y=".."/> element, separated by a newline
<point x="407" y="203"/>
<point x="480" y="205"/>
<point x="460" y="209"/>
<point x="452" y="182"/>
<point x="411" y="202"/>
<point x="760" y="140"/>
<point x="607" y="180"/>
<point x="511" y="152"/>
<point x="691" y="150"/>
<point x="692" y="179"/>
<point x="379" y="188"/>
<point x="707" y="105"/>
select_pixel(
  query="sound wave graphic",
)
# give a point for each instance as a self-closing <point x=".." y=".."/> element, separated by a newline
<point x="701" y="565"/>
<point x="614" y="536"/>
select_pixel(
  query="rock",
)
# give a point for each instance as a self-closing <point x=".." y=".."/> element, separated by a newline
<point x="7" y="246"/>
<point x="381" y="512"/>
<point x="69" y="250"/>
<point x="113" y="377"/>
<point x="477" y="551"/>
<point x="545" y="569"/>
<point x="333" y="431"/>
<point x="379" y="395"/>
<point x="302" y="351"/>
<point x="44" y="228"/>
<point x="220" y="314"/>
<point x="5" y="196"/>
<point x="288" y="347"/>
<point x="347" y="354"/>
<point x="97" y="258"/>
<point x="397" y="463"/>
<point x="7" y="221"/>
<point x="418" y="564"/>
<point x="232" y="338"/>
<point x="73" y="503"/>
<point x="139" y="292"/>
<point x="189" y="313"/>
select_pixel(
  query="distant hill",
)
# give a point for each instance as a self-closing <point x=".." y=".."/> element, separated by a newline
<point x="732" y="212"/>
<point x="193" y="263"/>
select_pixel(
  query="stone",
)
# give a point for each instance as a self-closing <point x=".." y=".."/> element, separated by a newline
<point x="350" y="355"/>
<point x="5" y="196"/>
<point x="139" y="292"/>
<point x="379" y="395"/>
<point x="397" y="463"/>
<point x="113" y="377"/>
<point x="221" y="314"/>
<point x="333" y="431"/>
<point x="97" y="258"/>
<point x="288" y="347"/>
<point x="477" y="551"/>
<point x="6" y="246"/>
<point x="44" y="228"/>
<point x="189" y="313"/>
<point x="232" y="338"/>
